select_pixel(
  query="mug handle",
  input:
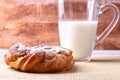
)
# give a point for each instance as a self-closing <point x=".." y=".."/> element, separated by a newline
<point x="110" y="27"/>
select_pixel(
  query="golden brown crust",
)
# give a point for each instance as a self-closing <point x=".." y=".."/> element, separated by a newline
<point x="39" y="58"/>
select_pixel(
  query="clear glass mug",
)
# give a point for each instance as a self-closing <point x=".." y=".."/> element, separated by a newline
<point x="77" y="24"/>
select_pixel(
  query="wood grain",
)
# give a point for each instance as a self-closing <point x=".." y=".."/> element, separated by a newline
<point x="34" y="25"/>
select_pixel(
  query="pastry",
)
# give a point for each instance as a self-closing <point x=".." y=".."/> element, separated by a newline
<point x="41" y="58"/>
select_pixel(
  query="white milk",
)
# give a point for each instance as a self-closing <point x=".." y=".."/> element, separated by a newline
<point x="79" y="36"/>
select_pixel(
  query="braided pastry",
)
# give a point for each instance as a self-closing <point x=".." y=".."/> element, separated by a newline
<point x="39" y="58"/>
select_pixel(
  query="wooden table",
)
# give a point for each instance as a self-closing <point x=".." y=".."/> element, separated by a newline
<point x="105" y="65"/>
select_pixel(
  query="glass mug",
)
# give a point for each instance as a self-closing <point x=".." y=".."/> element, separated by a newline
<point x="77" y="24"/>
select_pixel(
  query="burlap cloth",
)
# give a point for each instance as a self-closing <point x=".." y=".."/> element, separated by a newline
<point x="102" y="67"/>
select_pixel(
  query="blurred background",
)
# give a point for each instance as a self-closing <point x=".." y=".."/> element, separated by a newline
<point x="34" y="22"/>
<point x="112" y="42"/>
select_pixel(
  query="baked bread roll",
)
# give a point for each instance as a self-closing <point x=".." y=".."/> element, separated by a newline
<point x="39" y="58"/>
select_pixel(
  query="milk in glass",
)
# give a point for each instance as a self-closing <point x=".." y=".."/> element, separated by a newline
<point x="79" y="36"/>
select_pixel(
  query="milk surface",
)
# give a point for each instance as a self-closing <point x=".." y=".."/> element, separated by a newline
<point x="79" y="36"/>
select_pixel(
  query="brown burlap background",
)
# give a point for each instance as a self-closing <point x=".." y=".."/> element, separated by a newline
<point x="103" y="66"/>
